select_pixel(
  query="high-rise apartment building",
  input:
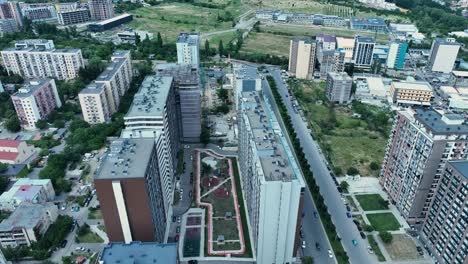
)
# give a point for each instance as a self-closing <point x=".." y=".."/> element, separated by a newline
<point x="94" y="104"/>
<point x="363" y="51"/>
<point x="187" y="87"/>
<point x="39" y="12"/>
<point x="443" y="55"/>
<point x="8" y="26"/>
<point x="302" y="58"/>
<point x="339" y="86"/>
<point x="421" y="142"/>
<point x="188" y="49"/>
<point x="152" y="115"/>
<point x="130" y="193"/>
<point x="271" y="181"/>
<point x="326" y="42"/>
<point x="396" y="55"/>
<point x="10" y="10"/>
<point x="445" y="228"/>
<point x="35" y="101"/>
<point x="101" y="9"/>
<point x="39" y="59"/>
<point x="331" y="61"/>
<point x="72" y="13"/>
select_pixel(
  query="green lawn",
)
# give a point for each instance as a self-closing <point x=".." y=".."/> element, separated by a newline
<point x="89" y="237"/>
<point x="371" y="202"/>
<point x="94" y="213"/>
<point x="228" y="228"/>
<point x="383" y="221"/>
<point x="375" y="247"/>
<point x="267" y="43"/>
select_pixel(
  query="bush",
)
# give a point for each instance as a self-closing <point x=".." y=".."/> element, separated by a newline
<point x="374" y="166"/>
<point x="352" y="171"/>
<point x="386" y="237"/>
<point x="344" y="186"/>
<point x="368" y="228"/>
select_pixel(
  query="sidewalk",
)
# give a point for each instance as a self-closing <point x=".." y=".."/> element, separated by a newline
<point x="100" y="233"/>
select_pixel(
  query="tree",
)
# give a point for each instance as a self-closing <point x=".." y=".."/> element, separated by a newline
<point x="222" y="94"/>
<point x="159" y="41"/>
<point x="137" y="39"/>
<point x="344" y="186"/>
<point x="374" y="165"/>
<point x="368" y="228"/>
<point x="386" y="237"/>
<point x="205" y="135"/>
<point x="13" y="124"/>
<point x="207" y="48"/>
<point x="3" y="167"/>
<point x="307" y="260"/>
<point x="352" y="171"/>
<point x="41" y="124"/>
<point x="59" y="124"/>
<point x="221" y="48"/>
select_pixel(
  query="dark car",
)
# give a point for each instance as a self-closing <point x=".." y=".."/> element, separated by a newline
<point x="174" y="219"/>
<point x="339" y="189"/>
<point x="362" y="235"/>
<point x="64" y="243"/>
<point x="317" y="246"/>
<point x="177" y="238"/>
<point x="177" y="230"/>
<point x="348" y="214"/>
<point x="348" y="208"/>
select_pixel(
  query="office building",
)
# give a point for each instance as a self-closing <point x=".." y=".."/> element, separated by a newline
<point x="110" y="23"/>
<point x="152" y="115"/>
<point x="101" y="9"/>
<point x="138" y="252"/>
<point x="396" y="55"/>
<point x="35" y="191"/>
<point x="326" y="42"/>
<point x="26" y="224"/>
<point x="445" y="228"/>
<point x="35" y="101"/>
<point x="129" y="189"/>
<point x="72" y="13"/>
<point x="188" y="49"/>
<point x="94" y="104"/>
<point x="39" y="12"/>
<point x="421" y="142"/>
<point x="339" y="86"/>
<point x="459" y="79"/>
<point x="187" y="87"/>
<point x="411" y="93"/>
<point x="331" y="61"/>
<point x="39" y="59"/>
<point x="15" y="151"/>
<point x="363" y="51"/>
<point x="273" y="185"/>
<point x="345" y="45"/>
<point x="10" y="10"/>
<point x="302" y="58"/>
<point x="369" y="24"/>
<point x="443" y="55"/>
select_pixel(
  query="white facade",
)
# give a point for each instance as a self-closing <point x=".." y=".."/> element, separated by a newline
<point x="302" y="58"/>
<point x="443" y="55"/>
<point x="94" y="104"/>
<point x="36" y="191"/>
<point x="188" y="49"/>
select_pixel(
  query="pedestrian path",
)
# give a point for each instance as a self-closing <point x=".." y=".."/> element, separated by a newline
<point x="100" y="233"/>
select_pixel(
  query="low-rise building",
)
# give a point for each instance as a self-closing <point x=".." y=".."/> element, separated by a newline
<point x="26" y="224"/>
<point x="457" y="97"/>
<point x="370" y="89"/>
<point x="339" y="86"/>
<point x="411" y="93"/>
<point x="15" y="151"/>
<point x="139" y="252"/>
<point x="110" y="23"/>
<point x="132" y="36"/>
<point x="35" y="101"/>
<point x="35" y="191"/>
<point x="459" y="79"/>
<point x="345" y="45"/>
<point x="374" y="24"/>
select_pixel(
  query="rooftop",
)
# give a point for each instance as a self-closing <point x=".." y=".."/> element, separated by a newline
<point x="344" y="42"/>
<point x="408" y="85"/>
<point x="29" y="89"/>
<point x="120" y="53"/>
<point x="151" y="98"/>
<point x="460" y="73"/>
<point x="443" y="41"/>
<point x="93" y="88"/>
<point x="191" y="39"/>
<point x="27" y="215"/>
<point x="127" y="158"/>
<point x="246" y="72"/>
<point x="139" y="252"/>
<point x="365" y="39"/>
<point x="182" y="74"/>
<point x="326" y="38"/>
<point x="9" y="143"/>
<point x="110" y="20"/>
<point x="374" y="21"/>
<point x="461" y="166"/>
<point x="440" y="123"/>
<point x="339" y="76"/>
<point x="111" y="70"/>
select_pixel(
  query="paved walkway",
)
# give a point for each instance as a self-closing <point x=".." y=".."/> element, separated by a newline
<point x="100" y="233"/>
<point x="216" y="187"/>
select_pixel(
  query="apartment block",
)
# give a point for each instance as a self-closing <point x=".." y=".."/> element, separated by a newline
<point x="188" y="49"/>
<point x="459" y="79"/>
<point x="411" y="93"/>
<point x="129" y="189"/>
<point x="152" y="115"/>
<point x="396" y="55"/>
<point x="363" y="51"/>
<point x="8" y="26"/>
<point x="421" y="142"/>
<point x="69" y="14"/>
<point x="302" y="58"/>
<point x="94" y="104"/>
<point x="331" y="61"/>
<point x="39" y="59"/>
<point x="445" y="228"/>
<point x="326" y="42"/>
<point x="443" y="54"/>
<point x="26" y="224"/>
<point x="10" y="10"/>
<point x="187" y="87"/>
<point x="25" y="190"/>
<point x="15" y="151"/>
<point x="345" y="45"/>
<point x="272" y="183"/>
<point x="35" y="101"/>
<point x="39" y="12"/>
<point x="339" y="86"/>
<point x="101" y="9"/>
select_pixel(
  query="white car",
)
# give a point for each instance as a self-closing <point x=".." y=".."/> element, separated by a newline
<point x="330" y="254"/>
<point x="303" y="244"/>
<point x="369" y="249"/>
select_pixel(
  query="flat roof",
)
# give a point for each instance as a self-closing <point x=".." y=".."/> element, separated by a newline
<point x="434" y="121"/>
<point x="139" y="252"/>
<point x="191" y="39"/>
<point x="151" y="98"/>
<point x="93" y="88"/>
<point x="365" y="39"/>
<point x="183" y="74"/>
<point x="344" y="42"/>
<point x="126" y="158"/>
<point x="30" y="88"/>
<point x="422" y="86"/>
<point x="340" y="76"/>
<point x="246" y="72"/>
<point x="461" y="166"/>
<point x="111" y="69"/>
<point x="110" y="20"/>
<point x="27" y="215"/>
<point x="374" y="21"/>
<point x="460" y="73"/>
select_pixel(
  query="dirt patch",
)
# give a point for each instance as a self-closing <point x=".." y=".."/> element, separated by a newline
<point x="402" y="248"/>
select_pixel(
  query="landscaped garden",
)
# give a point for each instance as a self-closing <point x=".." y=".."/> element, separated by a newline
<point x="372" y="202"/>
<point x="383" y="221"/>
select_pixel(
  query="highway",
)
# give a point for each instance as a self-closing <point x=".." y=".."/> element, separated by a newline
<point x="312" y="227"/>
<point x="345" y="227"/>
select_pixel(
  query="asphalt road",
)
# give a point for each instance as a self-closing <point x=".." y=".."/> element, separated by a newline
<point x="345" y="227"/>
<point x="312" y="227"/>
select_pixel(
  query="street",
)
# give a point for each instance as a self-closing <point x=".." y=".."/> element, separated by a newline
<point x="345" y="227"/>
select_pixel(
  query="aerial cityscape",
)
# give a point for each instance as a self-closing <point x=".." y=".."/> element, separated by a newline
<point x="234" y="131"/>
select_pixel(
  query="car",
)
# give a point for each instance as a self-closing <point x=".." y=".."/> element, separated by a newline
<point x="348" y="214"/>
<point x="348" y="207"/>
<point x="317" y="246"/>
<point x="191" y="180"/>
<point x="303" y="244"/>
<point x="178" y="219"/>
<point x="369" y="249"/>
<point x="186" y="147"/>
<point x="64" y="243"/>
<point x="174" y="219"/>
<point x="363" y="236"/>
<point x="177" y="230"/>
<point x="315" y="214"/>
<point x="330" y="254"/>
<point x="190" y="194"/>
<point x="176" y="237"/>
<point x="78" y="248"/>
<point x="354" y="242"/>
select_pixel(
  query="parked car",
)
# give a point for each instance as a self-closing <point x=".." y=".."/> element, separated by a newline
<point x="330" y="254"/>
<point x="349" y="215"/>
<point x="354" y="242"/>
<point x="177" y="230"/>
<point x="317" y="246"/>
<point x="369" y="249"/>
<point x="174" y="219"/>
<point x="178" y="219"/>
<point x="303" y="244"/>
<point x="363" y="236"/>
<point x="177" y="238"/>
<point x="64" y="243"/>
